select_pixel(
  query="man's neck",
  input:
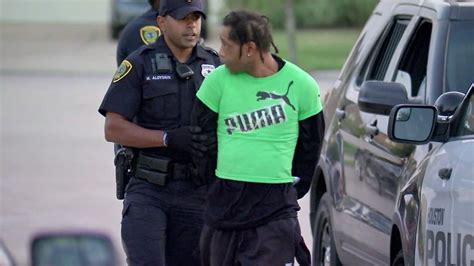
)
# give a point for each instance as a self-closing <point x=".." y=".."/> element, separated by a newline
<point x="265" y="68"/>
<point x="182" y="55"/>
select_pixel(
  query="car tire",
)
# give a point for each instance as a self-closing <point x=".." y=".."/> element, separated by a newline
<point x="399" y="260"/>
<point x="324" y="248"/>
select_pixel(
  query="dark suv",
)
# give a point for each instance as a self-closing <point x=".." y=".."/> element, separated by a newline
<point x="408" y="52"/>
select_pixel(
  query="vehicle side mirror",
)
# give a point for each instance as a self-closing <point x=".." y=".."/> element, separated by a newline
<point x="463" y="119"/>
<point x="380" y="97"/>
<point x="72" y="248"/>
<point x="448" y="102"/>
<point x="412" y="123"/>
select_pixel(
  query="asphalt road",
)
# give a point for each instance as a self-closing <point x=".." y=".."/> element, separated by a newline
<point x="56" y="168"/>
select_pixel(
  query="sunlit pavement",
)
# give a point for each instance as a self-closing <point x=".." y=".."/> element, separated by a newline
<point x="56" y="168"/>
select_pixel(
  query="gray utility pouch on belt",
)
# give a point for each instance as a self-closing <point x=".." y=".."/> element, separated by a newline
<point x="152" y="169"/>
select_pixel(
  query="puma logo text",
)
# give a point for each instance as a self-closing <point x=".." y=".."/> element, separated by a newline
<point x="264" y="95"/>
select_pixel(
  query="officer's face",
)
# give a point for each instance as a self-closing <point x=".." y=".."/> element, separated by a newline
<point x="230" y="52"/>
<point x="183" y="33"/>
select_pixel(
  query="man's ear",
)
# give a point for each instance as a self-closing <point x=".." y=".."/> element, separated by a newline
<point x="250" y="49"/>
<point x="160" y="21"/>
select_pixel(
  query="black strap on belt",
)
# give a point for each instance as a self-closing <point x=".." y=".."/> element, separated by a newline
<point x="181" y="171"/>
<point x="160" y="164"/>
<point x="151" y="176"/>
<point x="158" y="170"/>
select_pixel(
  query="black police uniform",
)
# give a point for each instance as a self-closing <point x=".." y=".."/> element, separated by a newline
<point x="140" y="31"/>
<point x="161" y="224"/>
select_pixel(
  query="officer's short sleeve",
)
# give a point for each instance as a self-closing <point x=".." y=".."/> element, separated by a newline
<point x="210" y="92"/>
<point x="124" y="93"/>
<point x="309" y="101"/>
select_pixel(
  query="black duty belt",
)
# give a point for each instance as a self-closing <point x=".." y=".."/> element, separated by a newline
<point x="159" y="170"/>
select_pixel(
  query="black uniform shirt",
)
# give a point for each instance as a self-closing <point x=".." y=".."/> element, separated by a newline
<point x="140" y="31"/>
<point x="152" y="95"/>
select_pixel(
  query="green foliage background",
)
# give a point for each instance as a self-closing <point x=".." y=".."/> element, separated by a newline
<point x="319" y="49"/>
<point x="311" y="13"/>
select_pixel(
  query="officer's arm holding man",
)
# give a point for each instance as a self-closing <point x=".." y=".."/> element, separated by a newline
<point x="119" y="129"/>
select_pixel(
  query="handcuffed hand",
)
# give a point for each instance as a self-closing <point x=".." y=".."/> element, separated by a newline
<point x="209" y="143"/>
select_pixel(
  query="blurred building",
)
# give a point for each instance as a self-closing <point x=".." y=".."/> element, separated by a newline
<point x="70" y="11"/>
<point x="55" y="11"/>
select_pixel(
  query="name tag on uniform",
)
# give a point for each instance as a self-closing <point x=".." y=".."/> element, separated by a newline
<point x="158" y="77"/>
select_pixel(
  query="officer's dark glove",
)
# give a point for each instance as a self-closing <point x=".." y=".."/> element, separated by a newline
<point x="205" y="164"/>
<point x="187" y="139"/>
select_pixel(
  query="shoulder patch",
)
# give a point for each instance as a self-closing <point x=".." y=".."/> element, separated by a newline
<point x="206" y="69"/>
<point x="122" y="70"/>
<point x="150" y="34"/>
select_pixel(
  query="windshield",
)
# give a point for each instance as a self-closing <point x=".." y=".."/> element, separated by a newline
<point x="460" y="56"/>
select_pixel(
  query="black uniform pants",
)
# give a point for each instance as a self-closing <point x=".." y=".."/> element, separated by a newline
<point x="275" y="243"/>
<point x="161" y="225"/>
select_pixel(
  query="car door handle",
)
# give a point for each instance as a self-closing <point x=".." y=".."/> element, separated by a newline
<point x="372" y="129"/>
<point x="445" y="173"/>
<point x="340" y="114"/>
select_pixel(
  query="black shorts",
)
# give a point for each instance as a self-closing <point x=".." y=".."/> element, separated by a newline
<point x="275" y="243"/>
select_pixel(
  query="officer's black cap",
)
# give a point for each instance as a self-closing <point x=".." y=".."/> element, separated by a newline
<point x="179" y="9"/>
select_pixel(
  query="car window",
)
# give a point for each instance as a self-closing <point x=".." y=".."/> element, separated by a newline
<point x="376" y="65"/>
<point x="460" y="56"/>
<point x="411" y="71"/>
<point x="351" y="60"/>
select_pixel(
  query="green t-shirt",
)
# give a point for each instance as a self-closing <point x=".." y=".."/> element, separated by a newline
<point x="258" y="121"/>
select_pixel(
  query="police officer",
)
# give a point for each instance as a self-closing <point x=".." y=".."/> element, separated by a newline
<point x="148" y="107"/>
<point x="140" y="31"/>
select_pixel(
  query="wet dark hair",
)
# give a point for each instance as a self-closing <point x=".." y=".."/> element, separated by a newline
<point x="247" y="26"/>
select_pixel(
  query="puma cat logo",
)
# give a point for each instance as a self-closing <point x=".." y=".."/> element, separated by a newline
<point x="263" y="95"/>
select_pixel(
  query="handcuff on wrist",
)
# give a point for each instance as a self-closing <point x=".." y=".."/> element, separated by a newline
<point x="165" y="139"/>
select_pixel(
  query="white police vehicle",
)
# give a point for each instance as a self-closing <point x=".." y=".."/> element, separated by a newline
<point x="445" y="229"/>
<point x="366" y="193"/>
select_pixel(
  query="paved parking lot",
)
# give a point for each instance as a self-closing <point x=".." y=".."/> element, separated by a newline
<point x="56" y="168"/>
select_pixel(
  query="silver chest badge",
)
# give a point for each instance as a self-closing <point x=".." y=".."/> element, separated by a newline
<point x="206" y="69"/>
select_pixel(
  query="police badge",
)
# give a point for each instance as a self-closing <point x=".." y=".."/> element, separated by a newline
<point x="206" y="69"/>
<point x="122" y="70"/>
<point x="149" y="34"/>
